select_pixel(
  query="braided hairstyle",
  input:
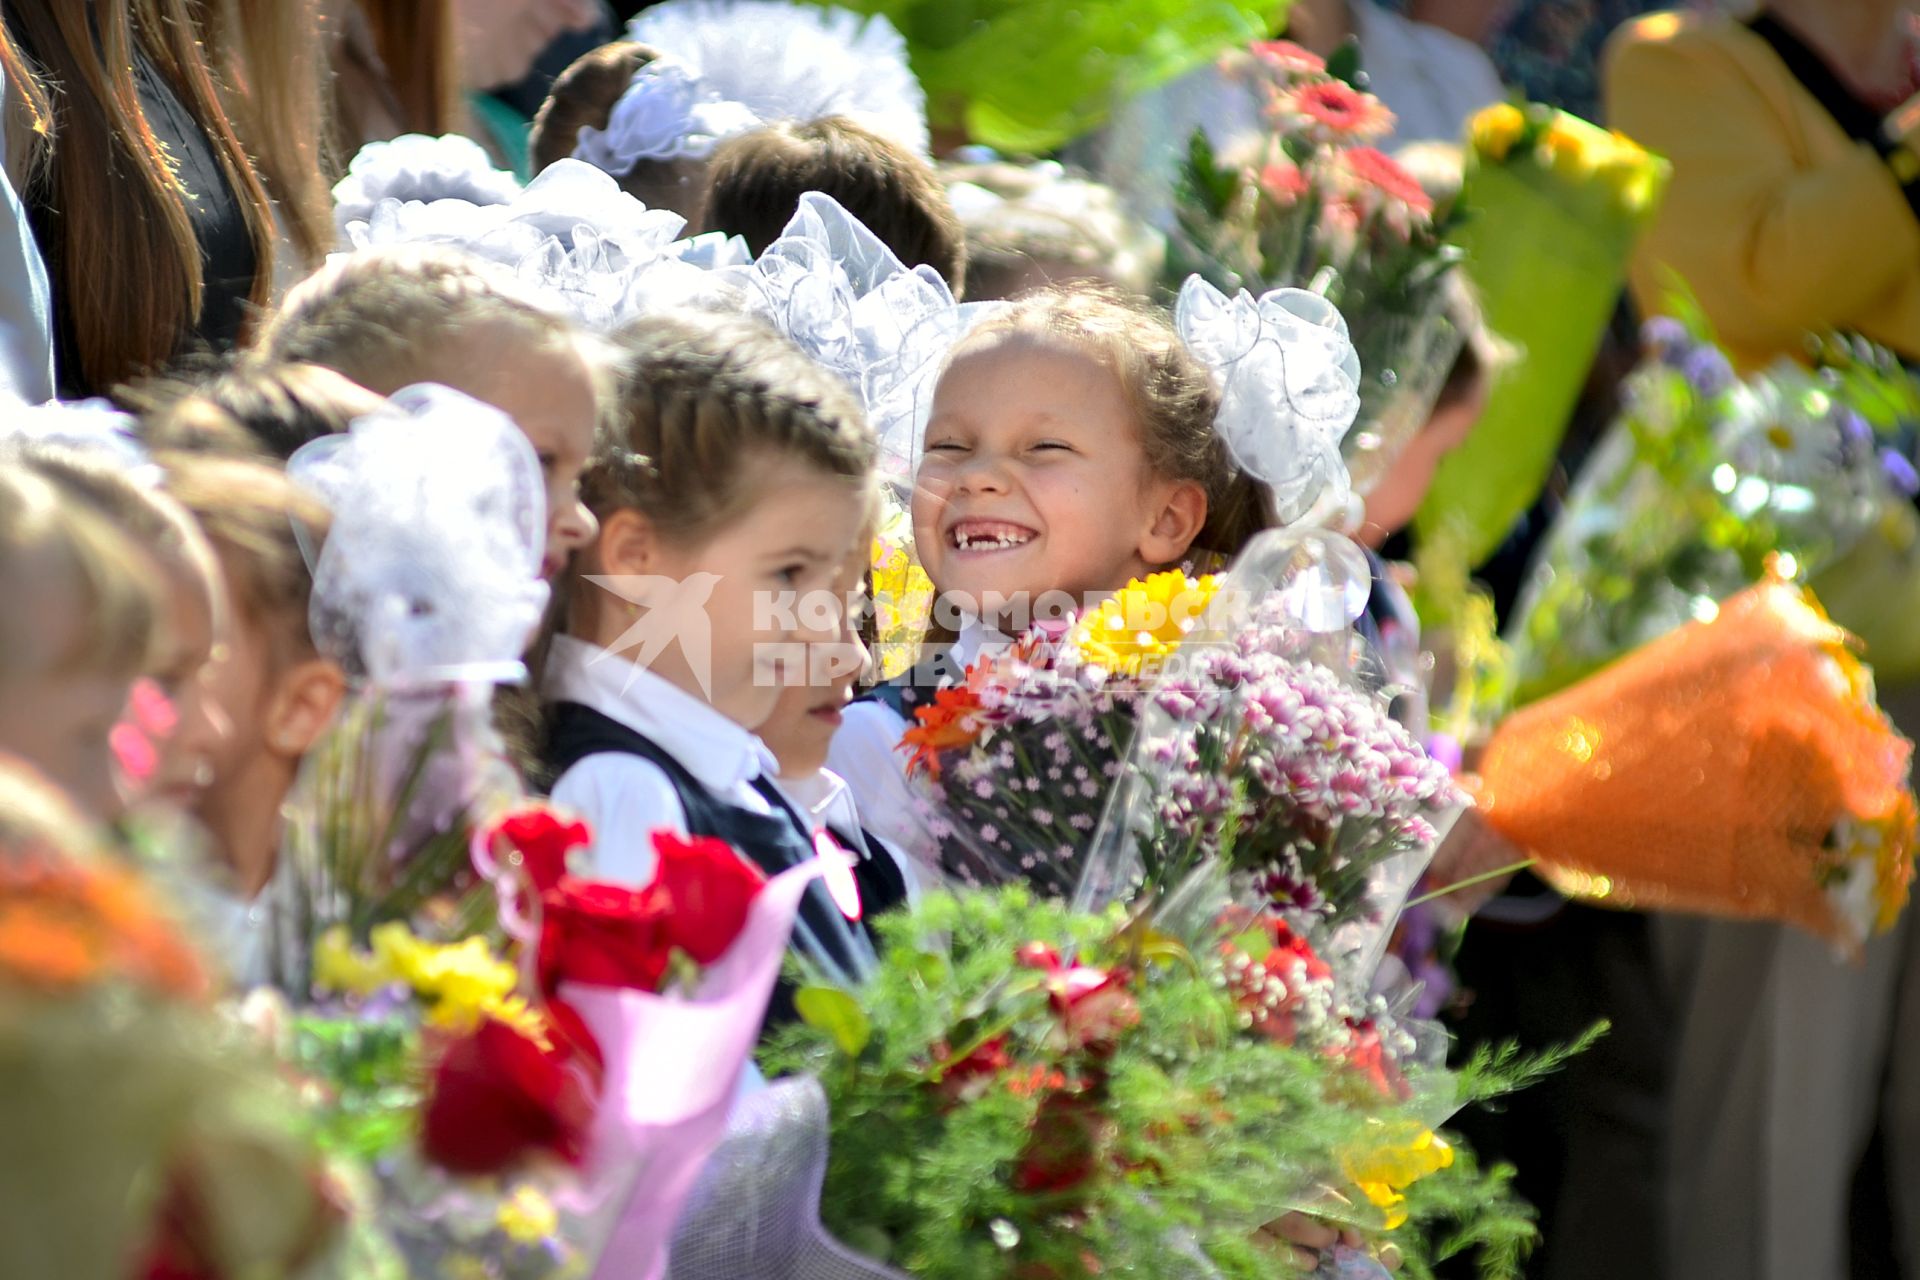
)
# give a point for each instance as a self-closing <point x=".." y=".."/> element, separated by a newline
<point x="704" y="400"/>
<point x="1174" y="397"/>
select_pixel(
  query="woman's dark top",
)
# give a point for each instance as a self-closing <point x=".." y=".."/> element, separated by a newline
<point x="219" y="225"/>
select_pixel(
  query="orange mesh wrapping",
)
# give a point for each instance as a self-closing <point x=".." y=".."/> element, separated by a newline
<point x="1707" y="771"/>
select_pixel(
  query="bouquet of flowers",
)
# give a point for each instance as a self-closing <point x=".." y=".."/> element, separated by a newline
<point x="1232" y="747"/>
<point x="1737" y="766"/>
<point x="534" y="1123"/>
<point x="1703" y="479"/>
<point x="1318" y="206"/>
<point x="1021" y="755"/>
<point x="1062" y="1094"/>
<point x="1550" y="210"/>
<point x="145" y="1134"/>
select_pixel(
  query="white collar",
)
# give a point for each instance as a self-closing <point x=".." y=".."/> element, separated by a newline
<point x="815" y="794"/>
<point x="721" y="755"/>
<point x="977" y="638"/>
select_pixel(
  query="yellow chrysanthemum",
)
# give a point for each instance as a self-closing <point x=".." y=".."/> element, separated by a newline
<point x="528" y="1217"/>
<point x="1383" y="1172"/>
<point x="338" y="967"/>
<point x="1493" y="130"/>
<point x="1566" y="153"/>
<point x="1143" y="623"/>
<point x="902" y="596"/>
<point x="461" y="981"/>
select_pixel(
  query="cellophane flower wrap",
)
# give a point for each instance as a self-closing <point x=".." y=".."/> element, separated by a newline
<point x="539" y="1102"/>
<point x="1188" y="724"/>
<point x="1551" y="209"/>
<point x="1317" y="205"/>
<point x="1020" y="756"/>
<point x="1737" y="766"/>
<point x="1026" y="1090"/>
<point x="1706" y="476"/>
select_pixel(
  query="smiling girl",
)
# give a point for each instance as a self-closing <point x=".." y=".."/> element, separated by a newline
<point x="1070" y="448"/>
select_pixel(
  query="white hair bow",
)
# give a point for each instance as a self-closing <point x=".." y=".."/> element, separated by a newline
<point x="431" y="568"/>
<point x="733" y="65"/>
<point x="1290" y="388"/>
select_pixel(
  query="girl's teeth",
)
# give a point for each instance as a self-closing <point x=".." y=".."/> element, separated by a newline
<point x="974" y="542"/>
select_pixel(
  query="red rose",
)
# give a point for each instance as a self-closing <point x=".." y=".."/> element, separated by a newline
<point x="604" y="934"/>
<point x="1094" y="1005"/>
<point x="1063" y="1147"/>
<point x="538" y="842"/>
<point x="708" y="888"/>
<point x="498" y="1097"/>
<point x="968" y="1078"/>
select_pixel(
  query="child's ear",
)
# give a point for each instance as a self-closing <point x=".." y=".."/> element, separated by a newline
<point x="302" y="706"/>
<point x="627" y="543"/>
<point x="1178" y="519"/>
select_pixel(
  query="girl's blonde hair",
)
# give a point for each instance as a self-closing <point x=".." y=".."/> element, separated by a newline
<point x="704" y="397"/>
<point x="165" y="536"/>
<point x="256" y="518"/>
<point x="383" y="317"/>
<point x="1174" y="396"/>
<point x="254" y="409"/>
<point x="45" y="530"/>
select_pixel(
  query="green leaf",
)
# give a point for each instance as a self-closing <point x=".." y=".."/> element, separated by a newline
<point x="1345" y="63"/>
<point x="836" y="1013"/>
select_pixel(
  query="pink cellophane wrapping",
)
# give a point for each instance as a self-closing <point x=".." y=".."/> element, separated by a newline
<point x="673" y="1066"/>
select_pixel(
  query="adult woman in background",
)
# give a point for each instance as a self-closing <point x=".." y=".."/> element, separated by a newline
<point x="423" y="66"/>
<point x="158" y="229"/>
<point x="1792" y="209"/>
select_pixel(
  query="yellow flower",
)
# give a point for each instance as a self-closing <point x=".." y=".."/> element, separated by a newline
<point x="1143" y="623"/>
<point x="902" y="595"/>
<point x="528" y="1217"/>
<point x="1493" y="130"/>
<point x="1384" y="1171"/>
<point x="1566" y="153"/>
<point x="338" y="967"/>
<point x="464" y="974"/>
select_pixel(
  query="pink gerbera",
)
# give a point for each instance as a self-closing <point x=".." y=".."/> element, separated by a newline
<point x="1283" y="183"/>
<point x="1374" y="168"/>
<point x="1338" y="110"/>
<point x="1285" y="55"/>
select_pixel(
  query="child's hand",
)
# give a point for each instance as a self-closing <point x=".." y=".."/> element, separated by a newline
<point x="1471" y="849"/>
<point x="1302" y="1239"/>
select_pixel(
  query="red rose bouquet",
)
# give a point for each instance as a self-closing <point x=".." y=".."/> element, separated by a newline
<point x="544" y="1102"/>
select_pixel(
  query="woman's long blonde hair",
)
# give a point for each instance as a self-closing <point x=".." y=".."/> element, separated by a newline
<point x="125" y="263"/>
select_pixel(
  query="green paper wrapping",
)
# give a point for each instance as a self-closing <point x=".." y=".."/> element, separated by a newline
<point x="1548" y="254"/>
<point x="1025" y="76"/>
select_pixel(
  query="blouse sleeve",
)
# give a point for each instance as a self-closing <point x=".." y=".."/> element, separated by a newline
<point x="863" y="753"/>
<point x="26" y="308"/>
<point x="624" y="799"/>
<point x="1772" y="246"/>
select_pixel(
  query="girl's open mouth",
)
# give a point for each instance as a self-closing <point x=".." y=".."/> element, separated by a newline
<point x="988" y="535"/>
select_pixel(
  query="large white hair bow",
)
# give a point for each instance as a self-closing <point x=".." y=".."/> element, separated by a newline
<point x="733" y="65"/>
<point x="416" y="168"/>
<point x="1290" y="388"/>
<point x="841" y="295"/>
<point x="93" y="427"/>
<point x="571" y="231"/>
<point x="431" y="568"/>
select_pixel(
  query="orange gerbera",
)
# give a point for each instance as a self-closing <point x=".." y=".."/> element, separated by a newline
<point x="64" y="924"/>
<point x="1338" y="110"/>
<point x="951" y="723"/>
